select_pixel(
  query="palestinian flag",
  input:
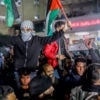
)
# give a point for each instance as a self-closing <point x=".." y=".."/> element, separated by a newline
<point x="53" y="9"/>
<point x="11" y="12"/>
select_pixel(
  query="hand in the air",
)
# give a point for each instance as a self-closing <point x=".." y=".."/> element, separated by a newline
<point x="88" y="43"/>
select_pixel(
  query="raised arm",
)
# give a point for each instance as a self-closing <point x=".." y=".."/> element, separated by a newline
<point x="94" y="56"/>
<point x="56" y="35"/>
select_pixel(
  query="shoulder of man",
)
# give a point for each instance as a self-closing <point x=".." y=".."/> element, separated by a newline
<point x="91" y="96"/>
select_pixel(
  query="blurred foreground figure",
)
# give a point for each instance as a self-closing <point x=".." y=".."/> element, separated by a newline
<point x="7" y="93"/>
<point x="41" y="88"/>
<point x="91" y="89"/>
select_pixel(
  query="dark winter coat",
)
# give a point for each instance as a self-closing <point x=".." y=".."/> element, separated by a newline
<point x="72" y="80"/>
<point x="94" y="56"/>
<point x="26" y="53"/>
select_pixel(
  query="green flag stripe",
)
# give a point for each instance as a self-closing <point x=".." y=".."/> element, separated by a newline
<point x="9" y="14"/>
<point x="50" y="18"/>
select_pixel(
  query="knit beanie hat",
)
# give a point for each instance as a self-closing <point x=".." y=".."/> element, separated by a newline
<point x="27" y="24"/>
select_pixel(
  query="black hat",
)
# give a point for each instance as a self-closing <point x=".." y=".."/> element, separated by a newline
<point x="39" y="84"/>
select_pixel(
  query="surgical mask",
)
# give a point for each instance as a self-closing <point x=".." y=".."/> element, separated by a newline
<point x="26" y="36"/>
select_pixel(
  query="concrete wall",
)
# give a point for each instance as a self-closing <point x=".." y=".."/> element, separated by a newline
<point x="28" y="10"/>
<point x="31" y="9"/>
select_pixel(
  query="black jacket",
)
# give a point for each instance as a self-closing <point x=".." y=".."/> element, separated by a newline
<point x="26" y="53"/>
<point x="94" y="56"/>
<point x="23" y="94"/>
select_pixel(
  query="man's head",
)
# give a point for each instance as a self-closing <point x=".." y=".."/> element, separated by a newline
<point x="11" y="96"/>
<point x="80" y="66"/>
<point x="27" y="30"/>
<point x="68" y="63"/>
<point x="59" y="25"/>
<point x="7" y="93"/>
<point x="93" y="74"/>
<point x="48" y="70"/>
<point x="25" y="77"/>
<point x="41" y="86"/>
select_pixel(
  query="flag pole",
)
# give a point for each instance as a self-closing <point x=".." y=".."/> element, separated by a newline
<point x="68" y="21"/>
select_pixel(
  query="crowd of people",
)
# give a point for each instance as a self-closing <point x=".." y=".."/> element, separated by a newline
<point x="41" y="68"/>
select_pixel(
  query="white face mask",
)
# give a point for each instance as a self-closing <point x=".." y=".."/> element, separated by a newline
<point x="26" y="36"/>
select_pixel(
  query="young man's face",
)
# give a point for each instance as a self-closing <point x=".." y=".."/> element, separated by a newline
<point x="49" y="71"/>
<point x="80" y="68"/>
<point x="68" y="63"/>
<point x="25" y="79"/>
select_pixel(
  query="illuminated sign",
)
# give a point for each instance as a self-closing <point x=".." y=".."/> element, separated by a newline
<point x="86" y="23"/>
